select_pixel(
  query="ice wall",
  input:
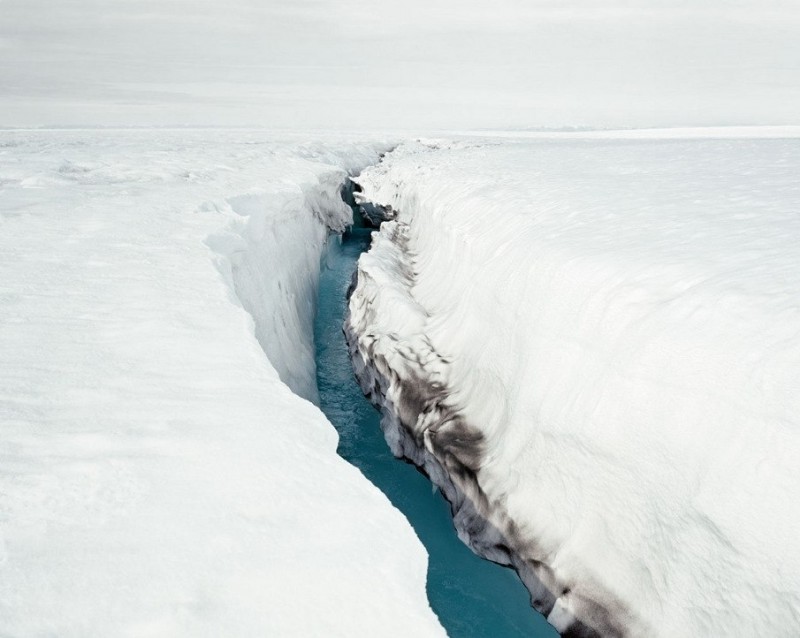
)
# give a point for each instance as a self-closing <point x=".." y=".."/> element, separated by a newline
<point x="591" y="346"/>
<point x="272" y="252"/>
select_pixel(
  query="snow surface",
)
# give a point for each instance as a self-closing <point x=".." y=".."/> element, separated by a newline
<point x="593" y="345"/>
<point x="157" y="476"/>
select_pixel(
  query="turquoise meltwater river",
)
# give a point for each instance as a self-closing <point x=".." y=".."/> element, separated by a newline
<point x="472" y="597"/>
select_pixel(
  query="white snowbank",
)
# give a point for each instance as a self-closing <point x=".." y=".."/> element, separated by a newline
<point x="157" y="476"/>
<point x="599" y="340"/>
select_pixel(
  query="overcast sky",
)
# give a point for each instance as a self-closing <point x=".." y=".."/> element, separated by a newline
<point x="399" y="64"/>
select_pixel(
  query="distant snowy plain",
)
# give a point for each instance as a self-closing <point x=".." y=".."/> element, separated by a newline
<point x="591" y="342"/>
<point x="158" y="477"/>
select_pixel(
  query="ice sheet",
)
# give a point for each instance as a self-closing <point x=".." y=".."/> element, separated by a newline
<point x="593" y="345"/>
<point x="157" y="476"/>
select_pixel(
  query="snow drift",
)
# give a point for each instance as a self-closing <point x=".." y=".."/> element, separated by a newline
<point x="158" y="477"/>
<point x="592" y="347"/>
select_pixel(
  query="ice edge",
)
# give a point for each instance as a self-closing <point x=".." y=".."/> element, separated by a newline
<point x="422" y="425"/>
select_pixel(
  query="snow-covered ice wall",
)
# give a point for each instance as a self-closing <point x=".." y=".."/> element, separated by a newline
<point x="272" y="250"/>
<point x="157" y="477"/>
<point x="592" y="346"/>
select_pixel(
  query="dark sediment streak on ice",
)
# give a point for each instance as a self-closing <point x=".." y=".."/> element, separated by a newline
<point x="421" y="424"/>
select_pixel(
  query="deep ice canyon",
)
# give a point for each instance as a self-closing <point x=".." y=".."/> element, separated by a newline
<point x="634" y="397"/>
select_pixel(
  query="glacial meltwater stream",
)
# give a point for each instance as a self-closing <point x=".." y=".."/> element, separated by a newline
<point x="472" y="597"/>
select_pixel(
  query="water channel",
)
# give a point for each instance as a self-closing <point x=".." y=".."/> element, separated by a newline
<point x="473" y="598"/>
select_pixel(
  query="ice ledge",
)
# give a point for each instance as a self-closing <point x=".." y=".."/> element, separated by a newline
<point x="271" y="261"/>
<point x="620" y="323"/>
<point x="401" y="373"/>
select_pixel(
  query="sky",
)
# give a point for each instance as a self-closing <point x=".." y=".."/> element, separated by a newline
<point x="393" y="65"/>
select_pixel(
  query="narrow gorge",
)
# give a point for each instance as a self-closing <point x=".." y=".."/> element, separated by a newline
<point x="472" y="597"/>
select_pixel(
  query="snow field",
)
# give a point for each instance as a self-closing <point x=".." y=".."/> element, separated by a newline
<point x="158" y="477"/>
<point x="605" y="333"/>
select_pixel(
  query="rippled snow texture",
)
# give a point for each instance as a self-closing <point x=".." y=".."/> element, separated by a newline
<point x="157" y="476"/>
<point x="612" y="326"/>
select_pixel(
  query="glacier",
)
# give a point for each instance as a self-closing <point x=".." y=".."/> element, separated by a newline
<point x="586" y="337"/>
<point x="590" y="343"/>
<point x="160" y="475"/>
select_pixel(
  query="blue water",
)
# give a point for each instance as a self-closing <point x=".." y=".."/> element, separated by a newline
<point x="472" y="597"/>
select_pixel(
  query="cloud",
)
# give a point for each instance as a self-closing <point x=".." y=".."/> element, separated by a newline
<point x="508" y="62"/>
